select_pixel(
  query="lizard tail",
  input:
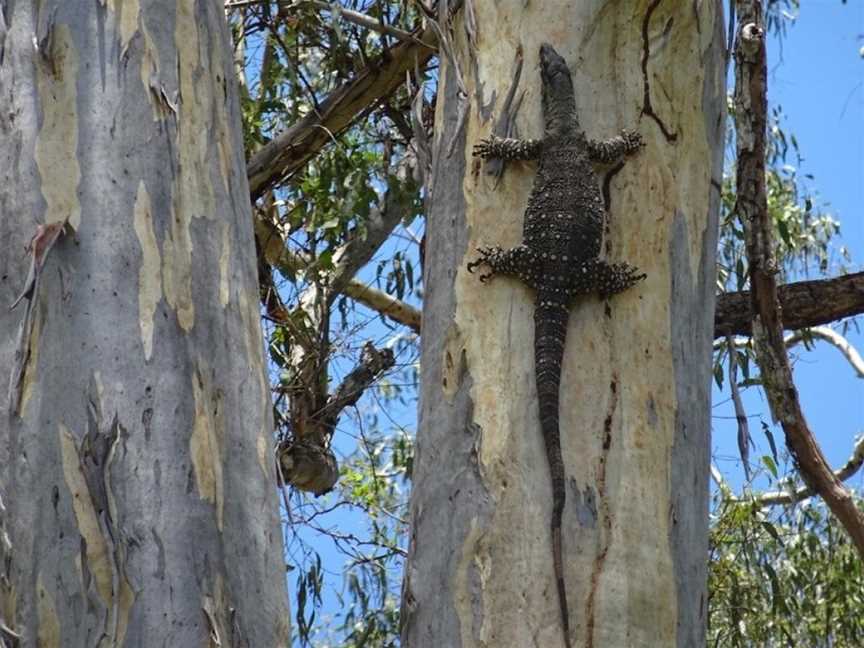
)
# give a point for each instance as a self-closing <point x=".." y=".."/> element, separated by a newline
<point x="550" y="332"/>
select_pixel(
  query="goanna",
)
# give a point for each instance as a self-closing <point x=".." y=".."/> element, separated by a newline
<point x="560" y="252"/>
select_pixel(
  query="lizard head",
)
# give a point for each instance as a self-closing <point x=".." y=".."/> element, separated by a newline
<point x="559" y="101"/>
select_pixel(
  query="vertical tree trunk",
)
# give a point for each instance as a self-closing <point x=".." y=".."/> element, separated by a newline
<point x="135" y="439"/>
<point x="635" y="391"/>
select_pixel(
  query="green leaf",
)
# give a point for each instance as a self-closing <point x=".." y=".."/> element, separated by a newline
<point x="770" y="465"/>
<point x="768" y="435"/>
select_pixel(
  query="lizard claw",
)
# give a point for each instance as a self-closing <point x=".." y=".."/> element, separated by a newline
<point x="633" y="139"/>
<point x="485" y="252"/>
<point x="484" y="148"/>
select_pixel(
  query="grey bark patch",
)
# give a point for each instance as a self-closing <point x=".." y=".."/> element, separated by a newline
<point x="691" y="357"/>
<point x="585" y="505"/>
<point x="446" y="478"/>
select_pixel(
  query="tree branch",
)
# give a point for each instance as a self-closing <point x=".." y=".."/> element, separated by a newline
<point x="833" y="338"/>
<point x="824" y="333"/>
<point x="357" y="252"/>
<point x="804" y="304"/>
<point x="383" y="303"/>
<point x="351" y="16"/>
<point x="364" y="21"/>
<point x="852" y="465"/>
<point x="295" y="146"/>
<point x="372" y="364"/>
<point x="752" y="209"/>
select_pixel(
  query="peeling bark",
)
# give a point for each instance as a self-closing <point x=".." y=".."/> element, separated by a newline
<point x="135" y="470"/>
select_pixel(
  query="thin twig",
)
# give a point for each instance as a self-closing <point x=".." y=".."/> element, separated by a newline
<point x="740" y="412"/>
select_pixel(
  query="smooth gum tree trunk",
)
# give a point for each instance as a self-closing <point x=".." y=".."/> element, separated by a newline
<point x="136" y="471"/>
<point x="635" y="392"/>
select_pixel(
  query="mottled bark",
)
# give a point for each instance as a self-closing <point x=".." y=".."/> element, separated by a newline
<point x="136" y="465"/>
<point x="636" y="374"/>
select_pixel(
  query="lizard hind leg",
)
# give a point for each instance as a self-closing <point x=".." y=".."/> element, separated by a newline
<point x="606" y="279"/>
<point x="516" y="262"/>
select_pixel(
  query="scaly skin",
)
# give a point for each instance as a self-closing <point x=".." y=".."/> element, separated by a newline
<point x="559" y="254"/>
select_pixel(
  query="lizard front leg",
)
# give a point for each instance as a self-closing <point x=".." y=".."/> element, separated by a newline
<point x="606" y="279"/>
<point x="516" y="262"/>
<point x="613" y="149"/>
<point x="508" y="148"/>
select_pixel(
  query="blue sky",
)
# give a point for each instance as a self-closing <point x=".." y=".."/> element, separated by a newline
<point x="817" y="75"/>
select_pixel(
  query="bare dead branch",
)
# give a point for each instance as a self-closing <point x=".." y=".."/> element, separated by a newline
<point x="751" y="125"/>
<point x="373" y="363"/>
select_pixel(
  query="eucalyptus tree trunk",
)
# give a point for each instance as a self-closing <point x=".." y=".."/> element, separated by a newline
<point x="136" y="472"/>
<point x="636" y="373"/>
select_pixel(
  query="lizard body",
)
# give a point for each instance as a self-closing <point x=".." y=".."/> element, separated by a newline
<point x="560" y="253"/>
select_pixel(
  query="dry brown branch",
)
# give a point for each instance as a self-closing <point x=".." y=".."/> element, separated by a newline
<point x="373" y="363"/>
<point x="804" y="304"/>
<point x="751" y="125"/>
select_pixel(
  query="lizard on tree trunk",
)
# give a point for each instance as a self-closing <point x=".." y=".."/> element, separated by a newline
<point x="560" y="252"/>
